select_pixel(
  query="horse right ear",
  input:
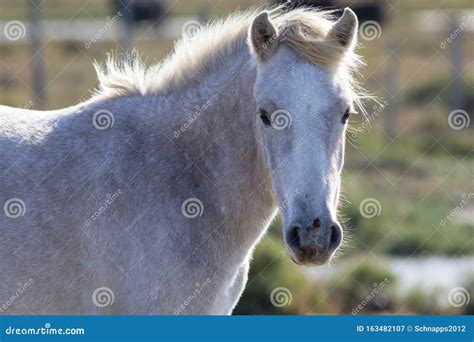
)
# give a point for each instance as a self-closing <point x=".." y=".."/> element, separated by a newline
<point x="344" y="30"/>
<point x="263" y="36"/>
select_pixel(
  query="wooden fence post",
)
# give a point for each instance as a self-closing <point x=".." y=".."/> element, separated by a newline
<point x="38" y="75"/>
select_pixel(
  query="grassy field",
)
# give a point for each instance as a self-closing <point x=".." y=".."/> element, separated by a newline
<point x="418" y="176"/>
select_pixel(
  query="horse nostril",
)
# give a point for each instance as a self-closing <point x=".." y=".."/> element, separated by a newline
<point x="336" y="236"/>
<point x="293" y="236"/>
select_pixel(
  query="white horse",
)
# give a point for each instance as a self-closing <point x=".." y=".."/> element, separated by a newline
<point x="150" y="197"/>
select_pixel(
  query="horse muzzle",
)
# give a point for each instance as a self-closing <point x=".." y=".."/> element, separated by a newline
<point x="315" y="243"/>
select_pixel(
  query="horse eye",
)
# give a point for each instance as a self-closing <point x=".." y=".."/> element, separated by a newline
<point x="265" y="117"/>
<point x="346" y="116"/>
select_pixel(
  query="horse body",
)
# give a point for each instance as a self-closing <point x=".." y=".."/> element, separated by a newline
<point x="96" y="212"/>
<point x="63" y="169"/>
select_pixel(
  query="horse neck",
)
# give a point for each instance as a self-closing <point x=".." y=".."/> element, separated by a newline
<point x="236" y="158"/>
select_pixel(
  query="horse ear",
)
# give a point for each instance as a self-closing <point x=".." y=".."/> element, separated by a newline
<point x="344" y="31"/>
<point x="263" y="36"/>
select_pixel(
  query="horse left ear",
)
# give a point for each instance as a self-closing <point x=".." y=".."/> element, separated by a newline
<point x="344" y="31"/>
<point x="263" y="36"/>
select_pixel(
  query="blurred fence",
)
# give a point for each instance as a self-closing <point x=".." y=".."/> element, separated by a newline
<point x="122" y="29"/>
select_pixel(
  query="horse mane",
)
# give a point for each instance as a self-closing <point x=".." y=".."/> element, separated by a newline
<point x="303" y="29"/>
